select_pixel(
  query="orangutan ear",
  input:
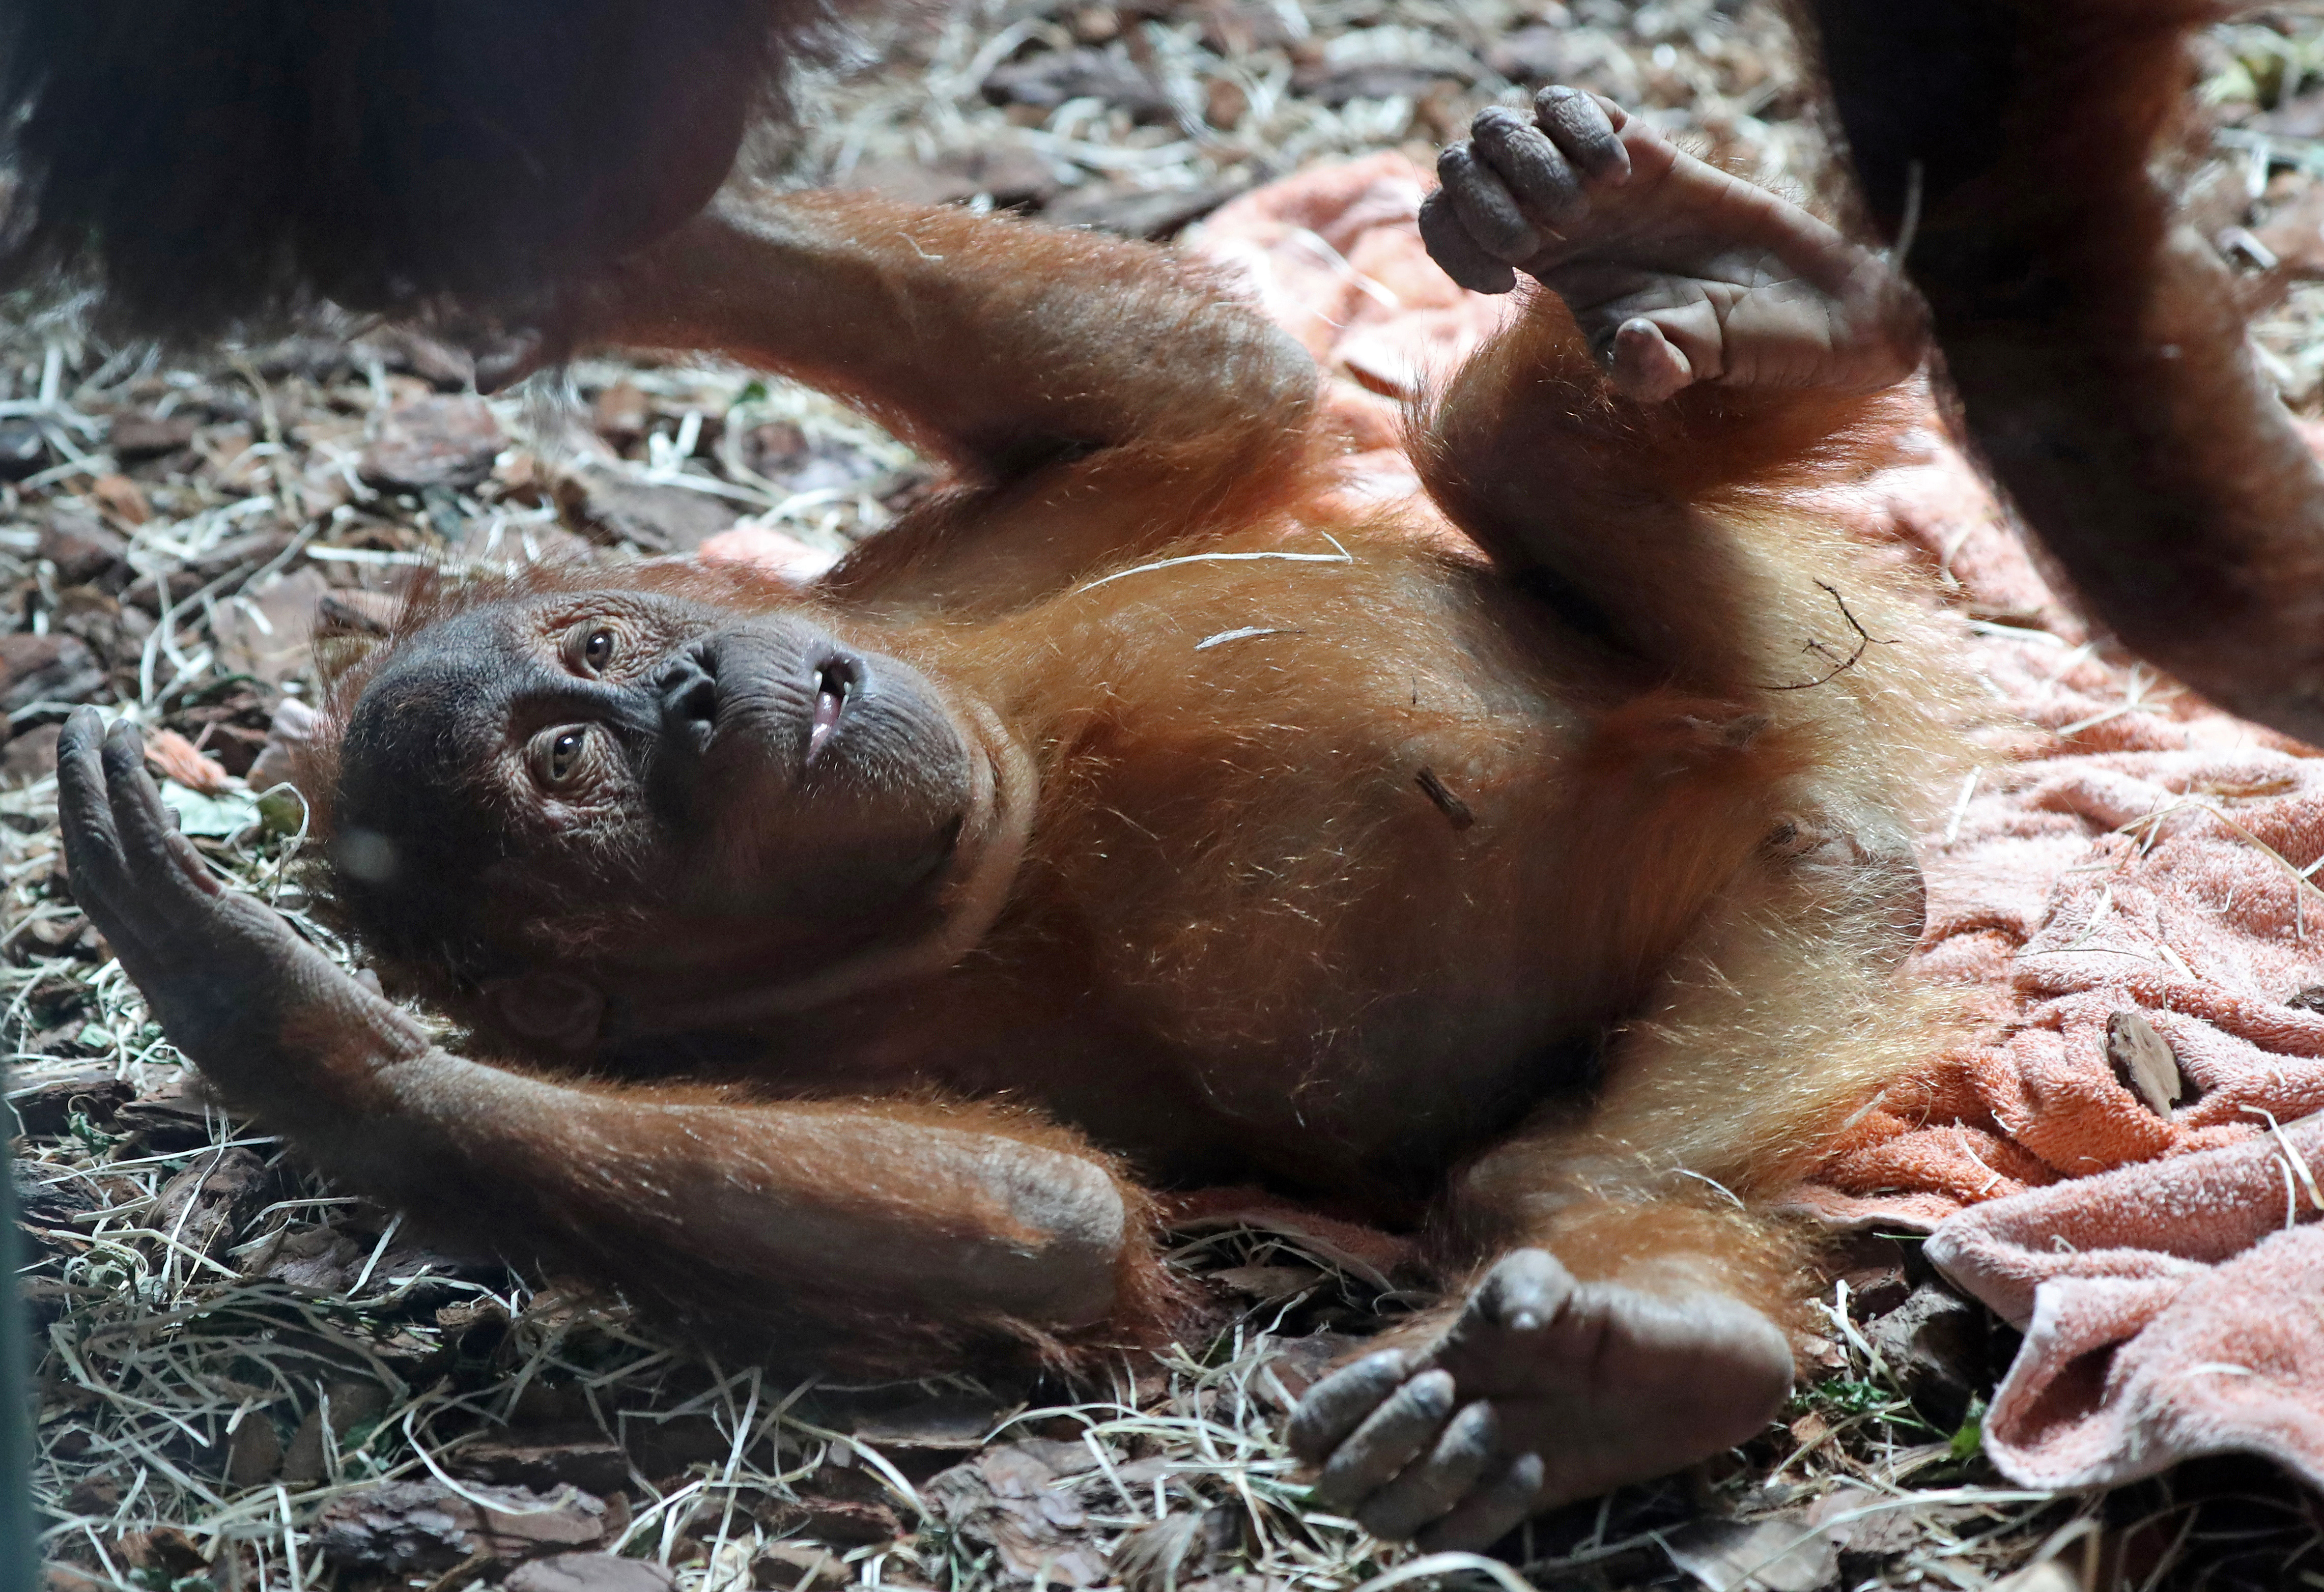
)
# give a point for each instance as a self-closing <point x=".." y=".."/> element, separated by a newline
<point x="551" y="1008"/>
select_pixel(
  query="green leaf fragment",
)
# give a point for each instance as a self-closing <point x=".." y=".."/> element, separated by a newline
<point x="1969" y="1440"/>
<point x="221" y="817"/>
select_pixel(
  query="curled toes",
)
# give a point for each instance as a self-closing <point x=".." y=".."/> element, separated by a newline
<point x="1491" y="1511"/>
<point x="1485" y="206"/>
<point x="1387" y="1440"/>
<point x="1457" y="254"/>
<point x="1536" y="175"/>
<point x="1338" y="1404"/>
<point x="1435" y="1482"/>
<point x="1586" y="130"/>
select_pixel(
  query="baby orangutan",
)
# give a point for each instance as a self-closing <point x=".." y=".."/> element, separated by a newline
<point x="1146" y="814"/>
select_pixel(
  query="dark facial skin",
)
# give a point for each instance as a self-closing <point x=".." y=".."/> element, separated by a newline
<point x="753" y="773"/>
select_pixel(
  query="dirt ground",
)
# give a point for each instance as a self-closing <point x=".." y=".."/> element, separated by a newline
<point x="249" y="1381"/>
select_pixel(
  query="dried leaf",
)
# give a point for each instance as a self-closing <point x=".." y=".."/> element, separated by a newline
<point x="1172" y="1551"/>
<point x="204" y="1206"/>
<point x="958" y="1422"/>
<point x="1009" y="1499"/>
<point x="1783" y="1554"/>
<point x="122" y="498"/>
<point x="432" y="441"/>
<point x="265" y="633"/>
<point x="1267" y="1283"/>
<point x="176" y="757"/>
<point x="253" y="1453"/>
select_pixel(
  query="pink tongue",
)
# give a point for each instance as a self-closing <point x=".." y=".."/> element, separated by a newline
<point x="826" y="719"/>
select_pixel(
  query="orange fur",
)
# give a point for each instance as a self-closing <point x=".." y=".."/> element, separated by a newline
<point x="1354" y="862"/>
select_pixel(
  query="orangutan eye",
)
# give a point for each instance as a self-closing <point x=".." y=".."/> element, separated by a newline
<point x="596" y="651"/>
<point x="558" y="754"/>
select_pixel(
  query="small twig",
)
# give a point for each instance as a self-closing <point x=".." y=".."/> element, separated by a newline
<point x="1864" y="639"/>
<point x="1454" y="809"/>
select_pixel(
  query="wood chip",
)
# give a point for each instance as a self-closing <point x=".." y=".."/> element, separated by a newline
<point x="589" y="1572"/>
<point x="81" y="545"/>
<point x="2142" y="1060"/>
<point x="49" y="1105"/>
<point x="45" y="668"/>
<point x="145" y="437"/>
<point x="611" y="509"/>
<point x="591" y="1462"/>
<point x="406" y="1526"/>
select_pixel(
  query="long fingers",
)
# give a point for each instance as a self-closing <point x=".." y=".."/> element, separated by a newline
<point x="1437" y="1481"/>
<point x="1508" y="187"/>
<point x="149" y="837"/>
<point x="1401" y="1454"/>
<point x="1338" y="1403"/>
<point x="1491" y="1511"/>
<point x="1538" y="176"/>
<point x="1390" y="1438"/>
<point x="1459" y="255"/>
<point x="1587" y="131"/>
<point x="1492" y="213"/>
<point x="82" y="810"/>
<point x="93" y="855"/>
<point x="138" y="878"/>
